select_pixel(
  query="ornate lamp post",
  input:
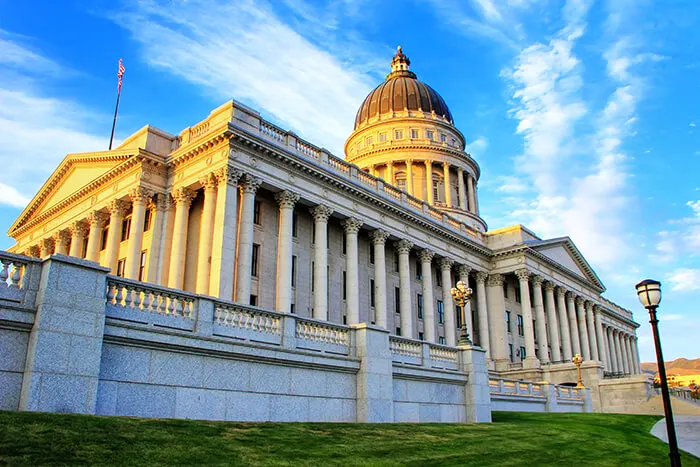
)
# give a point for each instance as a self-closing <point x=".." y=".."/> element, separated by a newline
<point x="649" y="293"/>
<point x="461" y="293"/>
<point x="577" y="361"/>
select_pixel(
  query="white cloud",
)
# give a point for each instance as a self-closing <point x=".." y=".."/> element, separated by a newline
<point x="684" y="279"/>
<point x="243" y="50"/>
<point x="477" y="147"/>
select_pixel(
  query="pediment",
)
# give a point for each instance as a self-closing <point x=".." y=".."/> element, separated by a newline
<point x="564" y="252"/>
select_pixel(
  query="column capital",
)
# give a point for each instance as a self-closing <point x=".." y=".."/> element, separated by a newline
<point x="589" y="305"/>
<point x="47" y="244"/>
<point x="495" y="280"/>
<point x="61" y="236"/>
<point x="183" y="196"/>
<point x="481" y="276"/>
<point x="250" y="184"/>
<point x="597" y="308"/>
<point x="34" y="251"/>
<point x="117" y="206"/>
<point x="571" y="295"/>
<point x="561" y="291"/>
<point x="98" y="219"/>
<point x="379" y="236"/>
<point x="426" y="255"/>
<point x="464" y="269"/>
<point x="536" y="280"/>
<point x="79" y="228"/>
<point x="523" y="274"/>
<point x="286" y="199"/>
<point x="549" y="286"/>
<point x="446" y="164"/>
<point x="580" y="301"/>
<point x="428" y="162"/>
<point x="321" y="213"/>
<point x="409" y="161"/>
<point x="460" y="170"/>
<point x="352" y="225"/>
<point x="140" y="194"/>
<point x="160" y="202"/>
<point x="228" y="175"/>
<point x="403" y="246"/>
<point x="446" y="264"/>
<point x="209" y="181"/>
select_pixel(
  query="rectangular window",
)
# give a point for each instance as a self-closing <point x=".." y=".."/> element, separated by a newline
<point x="414" y="134"/>
<point x="126" y="227"/>
<point x="83" y="251"/>
<point x="345" y="319"/>
<point x="345" y="285"/>
<point x="142" y="266"/>
<point x="398" y="134"/>
<point x="398" y="331"/>
<point x="397" y="299"/>
<point x="294" y="271"/>
<point x="430" y="134"/>
<point x="419" y="275"/>
<point x="420" y="336"/>
<point x="120" y="267"/>
<point x="292" y="309"/>
<point x="419" y="303"/>
<point x="257" y="213"/>
<point x="295" y="224"/>
<point x="508" y="321"/>
<point x="147" y="220"/>
<point x="436" y="190"/>
<point x="369" y="140"/>
<point x="313" y="275"/>
<point x="105" y="236"/>
<point x="345" y="243"/>
<point x="382" y="137"/>
<point x="401" y="184"/>
<point x="371" y="292"/>
<point x="517" y="293"/>
<point x="253" y="300"/>
<point x="521" y="330"/>
<point x="438" y="280"/>
<point x="396" y="262"/>
<point x="443" y="137"/>
<point x="371" y="254"/>
<point x="510" y="352"/>
<point x="522" y="353"/>
<point x="254" y="260"/>
<point x="505" y="290"/>
<point x="441" y="340"/>
<point x="313" y="233"/>
<point x="441" y="312"/>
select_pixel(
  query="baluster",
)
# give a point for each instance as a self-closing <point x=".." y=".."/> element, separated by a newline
<point x="137" y="298"/>
<point x="171" y="305"/>
<point x="110" y="293"/>
<point x="178" y="306"/>
<point x="3" y="273"/>
<point x="236" y="318"/>
<point x="129" y="297"/>
<point x="146" y="300"/>
<point x="16" y="277"/>
<point x="120" y="295"/>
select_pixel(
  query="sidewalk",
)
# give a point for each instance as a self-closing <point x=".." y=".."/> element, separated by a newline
<point x="687" y="432"/>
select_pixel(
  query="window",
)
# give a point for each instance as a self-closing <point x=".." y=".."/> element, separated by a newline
<point x="397" y="299"/>
<point x="522" y="353"/>
<point x="398" y="331"/>
<point x="508" y="321"/>
<point x="345" y="285"/>
<point x="396" y="262"/>
<point x="313" y="275"/>
<point x="345" y="243"/>
<point x="517" y="293"/>
<point x="438" y="279"/>
<point x="253" y="300"/>
<point x="147" y="220"/>
<point x="398" y="134"/>
<point x="292" y="309"/>
<point x="443" y="137"/>
<point x="126" y="227"/>
<point x="382" y="137"/>
<point x="313" y="233"/>
<point x="521" y="330"/>
<point x="120" y="267"/>
<point x="505" y="290"/>
<point x="419" y="275"/>
<point x="430" y="134"/>
<point x="436" y="190"/>
<point x="371" y="254"/>
<point x="295" y="224"/>
<point x="419" y="303"/>
<point x="254" y="260"/>
<point x="105" y="236"/>
<point x="420" y="336"/>
<point x="257" y="213"/>
<point x="510" y="352"/>
<point x="441" y="312"/>
<point x="371" y="292"/>
<point x="441" y="340"/>
<point x="401" y="184"/>
<point x="83" y="250"/>
<point x="142" y="265"/>
<point x="294" y="271"/>
<point x="369" y="140"/>
<point x="454" y="142"/>
<point x="345" y="319"/>
<point x="414" y="134"/>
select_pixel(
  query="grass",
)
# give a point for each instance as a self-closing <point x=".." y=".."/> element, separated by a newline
<point x="513" y="439"/>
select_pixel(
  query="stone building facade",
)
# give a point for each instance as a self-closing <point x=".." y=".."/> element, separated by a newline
<point x="238" y="209"/>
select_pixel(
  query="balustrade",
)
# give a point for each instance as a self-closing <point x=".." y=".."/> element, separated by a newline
<point x="14" y="276"/>
<point x="272" y="131"/>
<point x="322" y="336"/>
<point x="133" y="295"/>
<point x="308" y="150"/>
<point x="248" y="319"/>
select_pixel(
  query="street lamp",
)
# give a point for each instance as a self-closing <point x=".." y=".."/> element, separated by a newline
<point x="577" y="360"/>
<point x="649" y="293"/>
<point x="461" y="294"/>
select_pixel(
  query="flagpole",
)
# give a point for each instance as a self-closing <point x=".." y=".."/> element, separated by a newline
<point x="114" y="122"/>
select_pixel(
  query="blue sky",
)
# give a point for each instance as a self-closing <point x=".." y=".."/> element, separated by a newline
<point x="582" y="114"/>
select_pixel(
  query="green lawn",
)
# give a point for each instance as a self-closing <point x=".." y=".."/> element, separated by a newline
<point x="521" y="439"/>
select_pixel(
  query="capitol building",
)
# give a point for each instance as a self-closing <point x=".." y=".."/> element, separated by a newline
<point x="239" y="210"/>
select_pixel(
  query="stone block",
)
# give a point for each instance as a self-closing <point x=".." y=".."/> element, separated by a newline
<point x="176" y="369"/>
<point x="51" y="352"/>
<point x="325" y="410"/>
<point x="65" y="319"/>
<point x="122" y="363"/>
<point x="106" y="398"/>
<point x="13" y="348"/>
<point x="85" y="355"/>
<point x="406" y="412"/>
<point x="231" y="375"/>
<point x="66" y="394"/>
<point x="200" y="404"/>
<point x="342" y="385"/>
<point x="429" y="413"/>
<point x="145" y="400"/>
<point x="289" y="409"/>
<point x="270" y="378"/>
<point x="371" y="410"/>
<point x="10" y="388"/>
<point x="400" y="390"/>
<point x="247" y="406"/>
<point x="306" y="382"/>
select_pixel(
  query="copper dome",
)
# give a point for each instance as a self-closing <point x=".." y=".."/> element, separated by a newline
<point x="402" y="91"/>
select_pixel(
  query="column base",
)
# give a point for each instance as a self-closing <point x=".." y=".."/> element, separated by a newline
<point x="501" y="364"/>
<point x="531" y="363"/>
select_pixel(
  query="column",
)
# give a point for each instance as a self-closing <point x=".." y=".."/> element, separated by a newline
<point x="47" y="246"/>
<point x="446" y="178"/>
<point x="352" y="300"/>
<point x="464" y="271"/>
<point x="97" y="221"/>
<point x="618" y="352"/>
<point x="379" y="238"/>
<point x="426" y="259"/>
<point x="321" y="214"/>
<point x="606" y="343"/>
<point x="627" y="353"/>
<point x="573" y="324"/>
<point x="429" y="182"/>
<point x="592" y="337"/>
<point x="139" y="196"/>
<point x="474" y="197"/>
<point x="223" y="253"/>
<point x="564" y="323"/>
<point x="613" y="354"/>
<point x="602" y="349"/>
<point x="117" y="208"/>
<point x="283" y="296"/>
<point x="183" y="199"/>
<point x="531" y="360"/>
<point x="61" y="240"/>
<point x="582" y="329"/>
<point x="79" y="231"/>
<point x="470" y="194"/>
<point x="206" y="234"/>
<point x="450" y="323"/>
<point x="159" y="205"/>
<point x="635" y="352"/>
<point x="389" y="173"/>
<point x="552" y="322"/>
<point x="403" y="248"/>
<point x="497" y="320"/>
<point x="462" y="189"/>
<point x="482" y="312"/>
<point x="409" y="177"/>
<point x="249" y="186"/>
<point x="543" y="353"/>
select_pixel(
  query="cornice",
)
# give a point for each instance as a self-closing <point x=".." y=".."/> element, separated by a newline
<point x="214" y="137"/>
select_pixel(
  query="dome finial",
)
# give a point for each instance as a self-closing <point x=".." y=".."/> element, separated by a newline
<point x="400" y="65"/>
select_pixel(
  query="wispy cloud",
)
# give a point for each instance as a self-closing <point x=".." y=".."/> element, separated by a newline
<point x="684" y="279"/>
<point x="245" y="51"/>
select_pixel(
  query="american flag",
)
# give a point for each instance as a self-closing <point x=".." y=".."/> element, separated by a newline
<point x="120" y="74"/>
